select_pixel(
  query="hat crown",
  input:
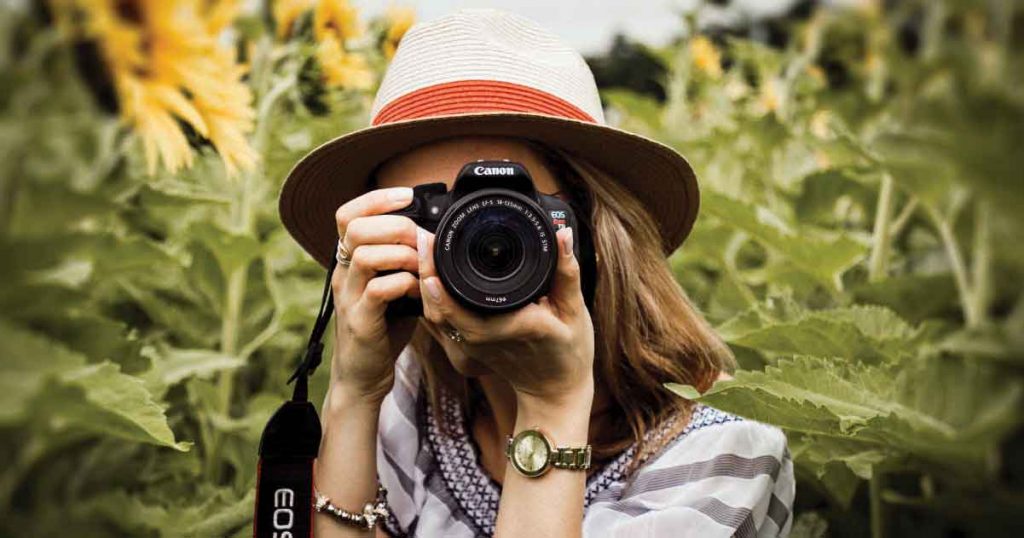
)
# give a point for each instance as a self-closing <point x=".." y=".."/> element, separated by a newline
<point x="484" y="44"/>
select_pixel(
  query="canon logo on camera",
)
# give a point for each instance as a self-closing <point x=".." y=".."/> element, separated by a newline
<point x="497" y="171"/>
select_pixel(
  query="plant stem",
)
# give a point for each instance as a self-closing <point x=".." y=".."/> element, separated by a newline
<point x="875" y="486"/>
<point x="981" y="261"/>
<point x="240" y="222"/>
<point x="903" y="218"/>
<point x="960" y="273"/>
<point x="878" y="264"/>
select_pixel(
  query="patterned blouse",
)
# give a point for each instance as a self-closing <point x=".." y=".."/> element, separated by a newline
<point x="720" y="476"/>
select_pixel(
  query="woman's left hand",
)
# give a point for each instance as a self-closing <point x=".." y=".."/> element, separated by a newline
<point x="545" y="349"/>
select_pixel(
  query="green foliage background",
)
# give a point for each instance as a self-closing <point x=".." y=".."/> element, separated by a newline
<point x="858" y="247"/>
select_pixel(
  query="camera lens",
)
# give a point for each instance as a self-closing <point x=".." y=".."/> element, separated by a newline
<point x="496" y="250"/>
<point x="495" y="253"/>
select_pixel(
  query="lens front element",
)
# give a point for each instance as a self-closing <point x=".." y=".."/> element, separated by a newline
<point x="494" y="248"/>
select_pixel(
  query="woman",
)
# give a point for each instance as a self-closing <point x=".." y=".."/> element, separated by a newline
<point x="428" y="405"/>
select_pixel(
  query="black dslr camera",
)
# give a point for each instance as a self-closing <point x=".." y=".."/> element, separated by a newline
<point x="495" y="248"/>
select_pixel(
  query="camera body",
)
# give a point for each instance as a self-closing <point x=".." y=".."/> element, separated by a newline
<point x="495" y="247"/>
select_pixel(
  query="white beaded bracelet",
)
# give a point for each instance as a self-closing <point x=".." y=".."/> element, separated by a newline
<point x="372" y="511"/>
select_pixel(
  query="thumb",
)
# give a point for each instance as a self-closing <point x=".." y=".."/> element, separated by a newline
<point x="566" y="291"/>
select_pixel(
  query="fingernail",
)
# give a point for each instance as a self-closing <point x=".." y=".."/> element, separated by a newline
<point x="400" y="194"/>
<point x="568" y="242"/>
<point x="421" y="243"/>
<point x="433" y="288"/>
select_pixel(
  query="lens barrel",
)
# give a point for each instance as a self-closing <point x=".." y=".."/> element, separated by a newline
<point x="495" y="250"/>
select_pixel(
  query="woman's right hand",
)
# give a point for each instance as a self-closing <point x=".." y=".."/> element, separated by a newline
<point x="365" y="345"/>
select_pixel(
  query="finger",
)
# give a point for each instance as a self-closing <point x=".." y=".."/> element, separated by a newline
<point x="438" y="306"/>
<point x="368" y="260"/>
<point x="371" y="203"/>
<point x="566" y="292"/>
<point x="380" y="229"/>
<point x="375" y="298"/>
<point x="424" y="249"/>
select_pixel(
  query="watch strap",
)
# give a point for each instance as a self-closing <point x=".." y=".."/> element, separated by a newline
<point x="574" y="458"/>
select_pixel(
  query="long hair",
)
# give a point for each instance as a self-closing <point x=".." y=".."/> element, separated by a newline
<point x="647" y="331"/>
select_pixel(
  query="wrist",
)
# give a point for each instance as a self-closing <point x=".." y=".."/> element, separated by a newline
<point x="565" y="400"/>
<point x="564" y="416"/>
<point x="347" y="400"/>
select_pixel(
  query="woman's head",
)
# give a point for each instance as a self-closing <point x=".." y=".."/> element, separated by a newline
<point x="647" y="332"/>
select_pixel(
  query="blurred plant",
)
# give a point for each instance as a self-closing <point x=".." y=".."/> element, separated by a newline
<point x="169" y="72"/>
<point x="148" y="305"/>
<point x="335" y="24"/>
<point x="855" y="187"/>
<point x="398" y="20"/>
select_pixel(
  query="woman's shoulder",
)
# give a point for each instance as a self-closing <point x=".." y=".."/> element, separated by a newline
<point x="721" y="474"/>
<point x="715" y="435"/>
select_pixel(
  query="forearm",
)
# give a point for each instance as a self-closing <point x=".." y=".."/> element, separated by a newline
<point x="552" y="504"/>
<point x="346" y="468"/>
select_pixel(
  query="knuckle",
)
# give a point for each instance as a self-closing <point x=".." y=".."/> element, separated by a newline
<point x="571" y="269"/>
<point x="360" y="258"/>
<point x="355" y="230"/>
<point x="341" y="216"/>
<point x="407" y="231"/>
<point x="409" y="281"/>
<point x="411" y="257"/>
<point x="376" y="289"/>
<point x="432" y="315"/>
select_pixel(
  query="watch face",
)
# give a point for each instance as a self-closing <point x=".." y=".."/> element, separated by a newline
<point x="530" y="452"/>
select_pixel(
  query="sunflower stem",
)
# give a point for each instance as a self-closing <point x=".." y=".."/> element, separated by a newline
<point x="882" y="237"/>
<point x="981" y="261"/>
<point x="960" y="270"/>
<point x="242" y="222"/>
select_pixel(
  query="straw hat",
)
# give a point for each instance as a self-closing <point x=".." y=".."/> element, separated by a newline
<point x="484" y="72"/>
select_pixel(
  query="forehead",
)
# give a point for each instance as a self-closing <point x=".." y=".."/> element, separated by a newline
<point x="441" y="161"/>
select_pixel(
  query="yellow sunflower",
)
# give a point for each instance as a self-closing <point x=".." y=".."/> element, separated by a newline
<point x="399" y="20"/>
<point x="705" y="56"/>
<point x="335" y="24"/>
<point x="286" y="12"/>
<point x="167" y="66"/>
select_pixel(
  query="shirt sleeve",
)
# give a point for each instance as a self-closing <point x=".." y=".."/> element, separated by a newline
<point x="731" y="479"/>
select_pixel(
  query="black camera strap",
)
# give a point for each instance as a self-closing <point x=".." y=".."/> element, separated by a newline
<point x="289" y="445"/>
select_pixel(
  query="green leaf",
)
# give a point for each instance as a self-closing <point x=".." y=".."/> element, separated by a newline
<point x="938" y="410"/>
<point x="101" y="399"/>
<point x="45" y="378"/>
<point x="823" y="255"/>
<point x="171" y="365"/>
<point x="860" y="332"/>
<point x="231" y="249"/>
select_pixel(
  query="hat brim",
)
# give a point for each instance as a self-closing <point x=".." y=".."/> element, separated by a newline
<point x="337" y="171"/>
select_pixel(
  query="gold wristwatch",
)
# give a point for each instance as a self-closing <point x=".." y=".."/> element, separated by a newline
<point x="531" y="453"/>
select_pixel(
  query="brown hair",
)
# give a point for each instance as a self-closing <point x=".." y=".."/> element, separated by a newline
<point x="647" y="330"/>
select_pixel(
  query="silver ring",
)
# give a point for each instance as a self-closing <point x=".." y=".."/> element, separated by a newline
<point x="342" y="253"/>
<point x="454" y="334"/>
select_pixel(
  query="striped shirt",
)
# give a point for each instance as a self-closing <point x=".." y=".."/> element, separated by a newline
<point x="720" y="476"/>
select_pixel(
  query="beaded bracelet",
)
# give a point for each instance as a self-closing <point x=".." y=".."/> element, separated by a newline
<point x="367" y="519"/>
